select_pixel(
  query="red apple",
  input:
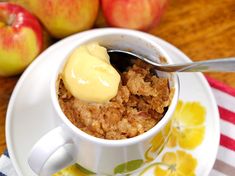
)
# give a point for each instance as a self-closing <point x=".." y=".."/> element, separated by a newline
<point x="20" y="39"/>
<point x="63" y="17"/>
<point x="133" y="14"/>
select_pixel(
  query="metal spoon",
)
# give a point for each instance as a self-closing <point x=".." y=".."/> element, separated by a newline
<point x="216" y="65"/>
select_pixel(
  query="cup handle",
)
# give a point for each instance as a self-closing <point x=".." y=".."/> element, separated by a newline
<point x="46" y="147"/>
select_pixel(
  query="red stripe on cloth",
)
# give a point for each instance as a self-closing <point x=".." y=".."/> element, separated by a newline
<point x="221" y="86"/>
<point x="227" y="115"/>
<point x="227" y="142"/>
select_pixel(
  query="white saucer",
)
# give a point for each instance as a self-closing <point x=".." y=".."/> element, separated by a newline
<point x="30" y="111"/>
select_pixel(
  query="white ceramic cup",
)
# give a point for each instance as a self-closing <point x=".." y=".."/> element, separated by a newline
<point x="67" y="144"/>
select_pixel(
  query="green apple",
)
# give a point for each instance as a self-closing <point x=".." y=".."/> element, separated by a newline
<point x="63" y="17"/>
<point x="21" y="39"/>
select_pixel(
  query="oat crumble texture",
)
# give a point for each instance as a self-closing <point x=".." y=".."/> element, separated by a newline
<point x="140" y="103"/>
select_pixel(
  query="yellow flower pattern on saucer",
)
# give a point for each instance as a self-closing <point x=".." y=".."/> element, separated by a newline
<point x="177" y="163"/>
<point x="188" y="127"/>
<point x="74" y="170"/>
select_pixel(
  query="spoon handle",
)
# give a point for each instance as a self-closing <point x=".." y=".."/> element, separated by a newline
<point x="217" y="65"/>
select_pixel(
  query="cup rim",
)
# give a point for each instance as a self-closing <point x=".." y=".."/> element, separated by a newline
<point x="123" y="142"/>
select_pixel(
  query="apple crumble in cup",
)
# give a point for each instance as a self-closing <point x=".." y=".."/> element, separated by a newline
<point x="121" y="135"/>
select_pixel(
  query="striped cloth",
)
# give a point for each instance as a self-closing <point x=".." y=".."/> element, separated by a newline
<point x="6" y="168"/>
<point x="225" y="163"/>
<point x="225" y="98"/>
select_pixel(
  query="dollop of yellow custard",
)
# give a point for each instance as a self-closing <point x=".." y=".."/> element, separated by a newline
<point x="89" y="76"/>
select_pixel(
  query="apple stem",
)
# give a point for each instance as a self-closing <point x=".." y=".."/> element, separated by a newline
<point x="11" y="19"/>
<point x="2" y="19"/>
